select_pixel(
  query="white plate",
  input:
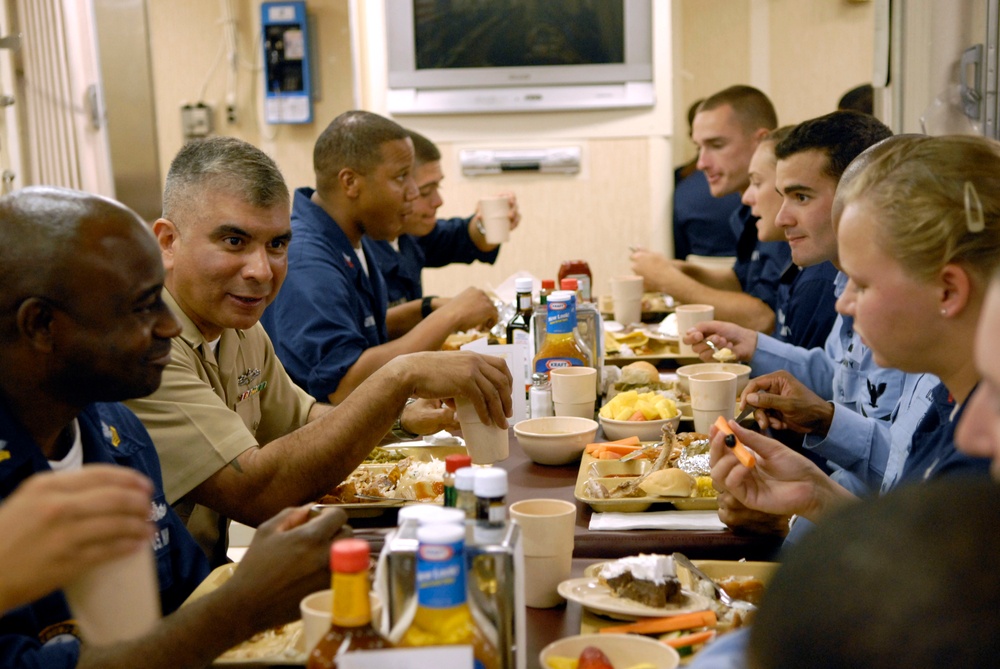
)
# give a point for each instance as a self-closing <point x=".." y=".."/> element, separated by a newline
<point x="592" y="594"/>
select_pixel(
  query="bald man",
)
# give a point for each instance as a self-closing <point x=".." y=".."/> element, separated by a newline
<point x="83" y="326"/>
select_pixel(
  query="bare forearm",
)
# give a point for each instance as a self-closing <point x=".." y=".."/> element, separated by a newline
<point x="308" y="463"/>
<point x="192" y="636"/>
<point x="721" y="278"/>
<point x="429" y="335"/>
<point x="402" y="318"/>
<point x="829" y="496"/>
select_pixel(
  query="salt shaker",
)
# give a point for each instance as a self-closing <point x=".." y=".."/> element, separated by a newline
<point x="540" y="396"/>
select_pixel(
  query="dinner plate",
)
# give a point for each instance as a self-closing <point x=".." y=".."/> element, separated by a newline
<point x="590" y="593"/>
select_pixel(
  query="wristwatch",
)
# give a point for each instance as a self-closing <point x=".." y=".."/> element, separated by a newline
<point x="398" y="430"/>
<point x="426" y="307"/>
<point x="481" y="227"/>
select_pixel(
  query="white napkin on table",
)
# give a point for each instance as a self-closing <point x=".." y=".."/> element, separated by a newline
<point x="658" y="520"/>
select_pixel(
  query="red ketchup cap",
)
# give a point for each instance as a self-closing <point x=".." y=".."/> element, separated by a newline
<point x="454" y="462"/>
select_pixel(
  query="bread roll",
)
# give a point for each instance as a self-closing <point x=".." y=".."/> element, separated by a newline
<point x="640" y="372"/>
<point x="670" y="482"/>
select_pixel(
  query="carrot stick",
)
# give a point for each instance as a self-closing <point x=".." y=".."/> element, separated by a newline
<point x="684" y="621"/>
<point x="689" y="639"/>
<point x="745" y="457"/>
<point x="627" y="441"/>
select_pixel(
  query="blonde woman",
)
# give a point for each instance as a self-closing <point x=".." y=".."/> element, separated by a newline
<point x="919" y="238"/>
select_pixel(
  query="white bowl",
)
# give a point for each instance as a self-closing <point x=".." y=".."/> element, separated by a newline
<point x="741" y="371"/>
<point x="623" y="650"/>
<point x="646" y="430"/>
<point x="555" y="440"/>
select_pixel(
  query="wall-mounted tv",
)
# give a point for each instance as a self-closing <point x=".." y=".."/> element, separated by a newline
<point x="469" y="56"/>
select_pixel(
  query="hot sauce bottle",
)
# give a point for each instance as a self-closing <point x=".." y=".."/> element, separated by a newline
<point x="579" y="270"/>
<point x="351" y="626"/>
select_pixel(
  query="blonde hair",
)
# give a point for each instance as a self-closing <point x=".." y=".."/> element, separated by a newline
<point x="919" y="189"/>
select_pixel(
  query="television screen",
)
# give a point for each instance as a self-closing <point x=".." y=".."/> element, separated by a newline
<point x="516" y="33"/>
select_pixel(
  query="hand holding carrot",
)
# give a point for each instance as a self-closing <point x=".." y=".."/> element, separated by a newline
<point x="781" y="480"/>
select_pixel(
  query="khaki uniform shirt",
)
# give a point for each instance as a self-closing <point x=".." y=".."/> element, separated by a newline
<point x="212" y="406"/>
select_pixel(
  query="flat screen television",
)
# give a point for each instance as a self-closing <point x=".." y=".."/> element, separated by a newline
<point x="469" y="56"/>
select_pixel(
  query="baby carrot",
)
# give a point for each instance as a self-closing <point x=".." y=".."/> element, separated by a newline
<point x="684" y="621"/>
<point x="689" y="639"/>
<point x="745" y="457"/>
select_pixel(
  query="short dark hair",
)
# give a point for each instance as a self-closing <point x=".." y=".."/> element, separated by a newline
<point x="354" y="139"/>
<point x="841" y="135"/>
<point x="424" y="149"/>
<point x="751" y="107"/>
<point x="858" y="99"/>
<point x="227" y="164"/>
<point x="905" y="580"/>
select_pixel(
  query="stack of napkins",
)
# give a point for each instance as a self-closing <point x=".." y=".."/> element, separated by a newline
<point x="658" y="520"/>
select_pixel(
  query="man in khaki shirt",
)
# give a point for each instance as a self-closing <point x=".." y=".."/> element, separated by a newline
<point x="237" y="439"/>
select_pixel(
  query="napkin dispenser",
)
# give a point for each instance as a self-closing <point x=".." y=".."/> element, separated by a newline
<point x="494" y="580"/>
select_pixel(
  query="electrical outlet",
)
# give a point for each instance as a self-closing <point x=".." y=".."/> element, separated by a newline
<point x="196" y="120"/>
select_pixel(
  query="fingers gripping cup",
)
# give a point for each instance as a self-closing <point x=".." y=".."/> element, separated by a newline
<point x="689" y="315"/>
<point x="495" y="212"/>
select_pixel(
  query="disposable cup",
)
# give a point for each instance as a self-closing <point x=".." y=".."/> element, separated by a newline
<point x="486" y="444"/>
<point x="712" y="391"/>
<point x="627" y="312"/>
<point x="579" y="409"/>
<point x="495" y="212"/>
<point x="118" y="600"/>
<point x="626" y="288"/>
<point x="573" y="385"/>
<point x="689" y="315"/>
<point x="542" y="576"/>
<point x="547" y="526"/>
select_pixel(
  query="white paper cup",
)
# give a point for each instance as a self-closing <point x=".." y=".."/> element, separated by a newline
<point x="315" y="610"/>
<point x="578" y="409"/>
<point x="486" y="444"/>
<point x="495" y="212"/>
<point x="542" y="576"/>
<point x="712" y="395"/>
<point x="627" y="312"/>
<point x="626" y="287"/>
<point x="689" y="315"/>
<point x="713" y="391"/>
<point x="547" y="526"/>
<point x="573" y="385"/>
<point x="118" y="600"/>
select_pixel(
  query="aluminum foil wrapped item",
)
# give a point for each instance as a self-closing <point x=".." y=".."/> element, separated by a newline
<point x="694" y="459"/>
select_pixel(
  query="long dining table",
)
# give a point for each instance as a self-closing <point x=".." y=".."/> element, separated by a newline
<point x="527" y="480"/>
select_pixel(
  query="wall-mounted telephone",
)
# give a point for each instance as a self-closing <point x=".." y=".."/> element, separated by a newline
<point x="287" y="84"/>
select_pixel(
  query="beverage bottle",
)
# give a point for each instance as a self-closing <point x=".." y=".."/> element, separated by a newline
<point x="443" y="616"/>
<point x="519" y="326"/>
<point x="351" y="626"/>
<point x="452" y="463"/>
<point x="562" y="346"/>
